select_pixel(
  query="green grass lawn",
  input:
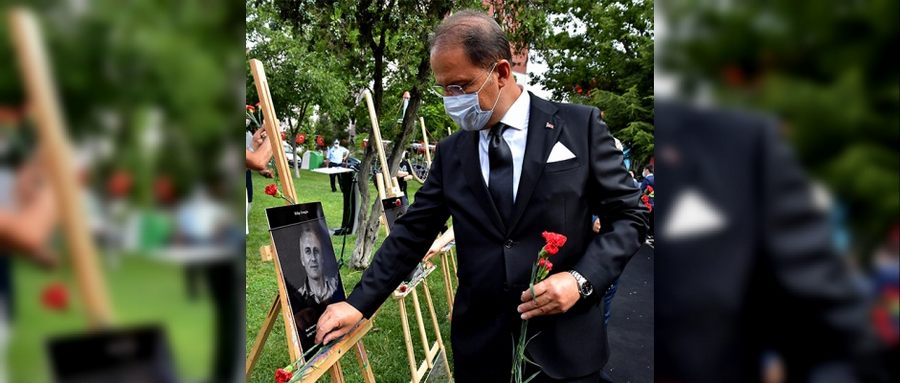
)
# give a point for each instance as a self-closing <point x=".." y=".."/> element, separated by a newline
<point x="384" y="343"/>
<point x="143" y="291"/>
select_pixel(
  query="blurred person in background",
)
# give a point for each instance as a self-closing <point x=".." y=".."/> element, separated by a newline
<point x="637" y="184"/>
<point x="336" y="157"/>
<point x="257" y="156"/>
<point x="648" y="178"/>
<point x="648" y="186"/>
<point x="27" y="219"/>
<point x="404" y="174"/>
<point x="260" y="153"/>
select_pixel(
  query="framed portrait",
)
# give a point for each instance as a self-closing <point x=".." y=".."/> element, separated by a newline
<point x="137" y="354"/>
<point x="310" y="271"/>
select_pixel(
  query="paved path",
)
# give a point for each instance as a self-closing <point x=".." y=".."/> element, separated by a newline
<point x="631" y="322"/>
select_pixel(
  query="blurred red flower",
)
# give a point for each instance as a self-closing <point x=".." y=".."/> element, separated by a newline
<point x="272" y="190"/>
<point x="55" y="296"/>
<point x="119" y="185"/>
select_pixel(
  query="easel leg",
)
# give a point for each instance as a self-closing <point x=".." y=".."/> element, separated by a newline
<point x="261" y="337"/>
<point x="363" y="358"/>
<point x="421" y="324"/>
<point x="448" y="287"/>
<point x="437" y="330"/>
<point x="453" y="261"/>
<point x="407" y="337"/>
<point x="337" y="374"/>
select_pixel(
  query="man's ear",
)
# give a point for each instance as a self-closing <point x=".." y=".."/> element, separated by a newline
<point x="504" y="73"/>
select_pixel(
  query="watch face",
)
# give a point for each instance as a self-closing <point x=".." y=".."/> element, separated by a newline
<point x="586" y="289"/>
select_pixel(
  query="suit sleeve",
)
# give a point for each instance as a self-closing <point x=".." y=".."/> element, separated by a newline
<point x="616" y="201"/>
<point x="404" y="248"/>
<point x="821" y="302"/>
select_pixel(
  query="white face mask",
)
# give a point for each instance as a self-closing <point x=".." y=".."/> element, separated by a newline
<point x="466" y="111"/>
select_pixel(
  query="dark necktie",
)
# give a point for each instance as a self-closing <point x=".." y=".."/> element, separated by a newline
<point x="500" y="181"/>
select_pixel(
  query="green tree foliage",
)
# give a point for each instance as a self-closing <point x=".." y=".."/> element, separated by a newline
<point x="825" y="71"/>
<point x="301" y="80"/>
<point x="115" y="64"/>
<point x="597" y="52"/>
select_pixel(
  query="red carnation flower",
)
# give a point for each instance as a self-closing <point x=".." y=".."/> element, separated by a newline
<point x="282" y="376"/>
<point x="403" y="288"/>
<point x="272" y="190"/>
<point x="555" y="239"/>
<point x="55" y="297"/>
<point x="251" y="109"/>
<point x="550" y="249"/>
<point x="578" y="89"/>
<point x="545" y="264"/>
<point x="649" y="189"/>
<point x="398" y="203"/>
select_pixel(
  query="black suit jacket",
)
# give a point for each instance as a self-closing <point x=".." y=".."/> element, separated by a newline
<point x="765" y="280"/>
<point x="495" y="257"/>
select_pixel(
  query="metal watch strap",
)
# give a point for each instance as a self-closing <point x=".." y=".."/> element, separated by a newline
<point x="581" y="280"/>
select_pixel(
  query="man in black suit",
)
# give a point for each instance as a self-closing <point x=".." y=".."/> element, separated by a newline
<point x="519" y="166"/>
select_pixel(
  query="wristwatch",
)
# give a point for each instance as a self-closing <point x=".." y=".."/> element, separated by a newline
<point x="585" y="288"/>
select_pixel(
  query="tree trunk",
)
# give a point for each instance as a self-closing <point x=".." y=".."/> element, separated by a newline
<point x="368" y="223"/>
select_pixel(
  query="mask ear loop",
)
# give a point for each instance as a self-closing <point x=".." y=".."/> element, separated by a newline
<point x="498" y="93"/>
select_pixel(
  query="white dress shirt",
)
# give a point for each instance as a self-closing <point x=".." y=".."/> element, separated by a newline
<point x="516" y="136"/>
<point x="336" y="155"/>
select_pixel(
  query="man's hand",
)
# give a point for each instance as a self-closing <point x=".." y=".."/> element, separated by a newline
<point x="597" y="225"/>
<point x="337" y="320"/>
<point x="266" y="173"/>
<point x="555" y="295"/>
<point x="29" y="228"/>
<point x="258" y="138"/>
<point x="435" y="248"/>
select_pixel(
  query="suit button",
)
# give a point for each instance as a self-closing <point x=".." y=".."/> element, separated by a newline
<point x="508" y="244"/>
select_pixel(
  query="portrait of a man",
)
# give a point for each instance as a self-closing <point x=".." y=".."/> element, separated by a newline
<point x="310" y="272"/>
<point x="319" y="287"/>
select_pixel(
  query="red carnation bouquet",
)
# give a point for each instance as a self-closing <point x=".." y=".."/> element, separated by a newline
<point x="539" y="271"/>
<point x="254" y="114"/>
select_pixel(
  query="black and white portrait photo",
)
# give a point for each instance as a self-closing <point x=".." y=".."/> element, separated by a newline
<point x="310" y="272"/>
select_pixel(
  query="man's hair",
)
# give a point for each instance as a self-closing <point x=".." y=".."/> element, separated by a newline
<point x="477" y="33"/>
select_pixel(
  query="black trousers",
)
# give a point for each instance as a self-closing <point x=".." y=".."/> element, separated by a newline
<point x="335" y="176"/>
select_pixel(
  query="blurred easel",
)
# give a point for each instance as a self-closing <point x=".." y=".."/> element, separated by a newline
<point x="56" y="153"/>
<point x="353" y="340"/>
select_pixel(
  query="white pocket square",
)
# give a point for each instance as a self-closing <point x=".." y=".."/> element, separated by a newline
<point x="560" y="153"/>
<point x="693" y="215"/>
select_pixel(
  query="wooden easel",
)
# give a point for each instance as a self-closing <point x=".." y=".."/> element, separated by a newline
<point x="353" y="340"/>
<point x="425" y="140"/>
<point x="427" y="152"/>
<point x="55" y="151"/>
<point x="431" y="350"/>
